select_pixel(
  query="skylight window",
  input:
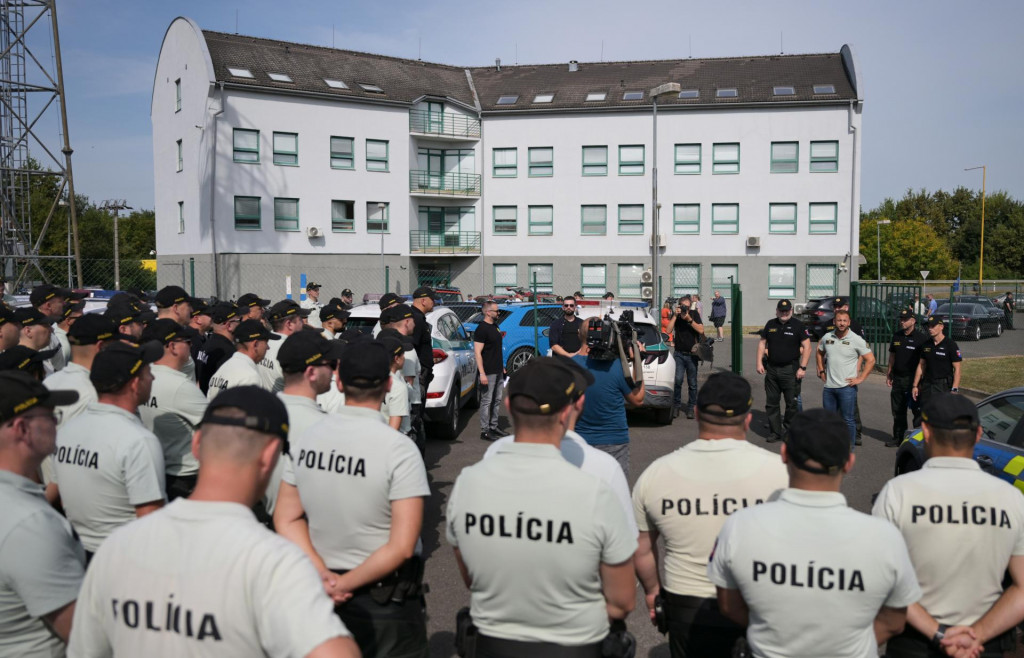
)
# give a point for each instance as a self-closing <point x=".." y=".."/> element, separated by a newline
<point x="783" y="91"/>
<point x="240" y="73"/>
<point x="373" y="89"/>
<point x="543" y="98"/>
<point x="689" y="93"/>
<point x="824" y="89"/>
<point x="508" y="100"/>
<point x="596" y="96"/>
<point x="335" y="84"/>
<point x="633" y="96"/>
<point x="279" y="77"/>
<point x="729" y="92"/>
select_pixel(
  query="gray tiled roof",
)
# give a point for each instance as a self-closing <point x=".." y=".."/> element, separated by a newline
<point x="405" y="80"/>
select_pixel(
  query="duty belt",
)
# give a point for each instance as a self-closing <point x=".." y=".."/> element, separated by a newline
<point x="492" y="645"/>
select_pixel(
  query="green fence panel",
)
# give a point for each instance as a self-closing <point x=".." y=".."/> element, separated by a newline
<point x="876" y="306"/>
<point x="736" y="335"/>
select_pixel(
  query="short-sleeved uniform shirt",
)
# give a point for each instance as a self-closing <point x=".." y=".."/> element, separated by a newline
<point x="842" y="357"/>
<point x="56" y="362"/>
<point x="534" y="553"/>
<point x="303" y="413"/>
<point x="173" y="411"/>
<point x="688" y="494"/>
<point x="489" y="336"/>
<point x="348" y="469"/>
<point x="396" y="402"/>
<point x="41" y="568"/>
<point x="905" y="351"/>
<point x="314" y="317"/>
<point x="685" y="335"/>
<point x="201" y="579"/>
<point x="961" y="526"/>
<point x="939" y="358"/>
<point x="333" y="399"/>
<point x="783" y="340"/>
<point x="588" y="459"/>
<point x="603" y="421"/>
<point x="566" y="334"/>
<point x="270" y="369"/>
<point x="74" y="377"/>
<point x="107" y="462"/>
<point x="215" y="351"/>
<point x="814" y="574"/>
<point x="411" y="368"/>
<point x="65" y="345"/>
<point x="239" y="370"/>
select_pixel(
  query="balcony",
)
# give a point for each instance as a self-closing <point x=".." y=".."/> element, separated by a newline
<point x="439" y="125"/>
<point x="434" y="184"/>
<point x="430" y="243"/>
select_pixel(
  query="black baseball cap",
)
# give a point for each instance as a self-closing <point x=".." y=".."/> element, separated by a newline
<point x="20" y="392"/>
<point x="20" y="357"/>
<point x="251" y="330"/>
<point x="907" y="314"/>
<point x="168" y="296"/>
<point x="126" y="311"/>
<point x="819" y="436"/>
<point x="395" y="313"/>
<point x="313" y="285"/>
<point x="840" y="301"/>
<point x="933" y="321"/>
<point x="950" y="411"/>
<point x="347" y="292"/>
<point x="91" y="329"/>
<point x="287" y="308"/>
<point x="163" y="331"/>
<point x="117" y="362"/>
<point x="221" y="312"/>
<point x="74" y="306"/>
<point x="424" y="291"/>
<point x="784" y="305"/>
<point x="406" y="342"/>
<point x="387" y="299"/>
<point x="366" y="367"/>
<point x="7" y="314"/>
<point x="125" y="297"/>
<point x="47" y="291"/>
<point x="200" y="307"/>
<point x="306" y="348"/>
<point x="352" y="336"/>
<point x="547" y="386"/>
<point x="332" y="312"/>
<point x="583" y="377"/>
<point x="250" y="299"/>
<point x="392" y="346"/>
<point x="724" y="395"/>
<point x="29" y="316"/>
<point x="264" y="411"/>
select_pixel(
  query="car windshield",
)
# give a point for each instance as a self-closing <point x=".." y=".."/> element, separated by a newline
<point x="362" y="325"/>
<point x="479" y="317"/>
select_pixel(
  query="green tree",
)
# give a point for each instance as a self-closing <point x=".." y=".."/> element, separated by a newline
<point x="908" y="246"/>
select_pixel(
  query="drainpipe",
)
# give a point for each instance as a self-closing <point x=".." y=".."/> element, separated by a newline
<point x="213" y="198"/>
<point x="854" y="209"/>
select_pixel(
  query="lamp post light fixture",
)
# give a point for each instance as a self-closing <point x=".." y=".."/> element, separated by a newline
<point x="660" y="90"/>
<point x="878" y="244"/>
<point x="981" y="260"/>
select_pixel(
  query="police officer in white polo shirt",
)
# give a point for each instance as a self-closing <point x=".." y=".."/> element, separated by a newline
<point x="86" y="336"/>
<point x="685" y="498"/>
<point x="49" y="300"/>
<point x="10" y="328"/>
<point x="286" y="317"/>
<point x="242" y="369"/>
<point x="354" y="503"/>
<point x="964" y="529"/>
<point x="202" y="578"/>
<point x="547" y="564"/>
<point x="41" y="561"/>
<point x="73" y="310"/>
<point x="312" y="303"/>
<point x="809" y="576"/>
<point x="175" y="406"/>
<point x="109" y="467"/>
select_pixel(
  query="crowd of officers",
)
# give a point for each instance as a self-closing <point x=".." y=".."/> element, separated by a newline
<point x="136" y="507"/>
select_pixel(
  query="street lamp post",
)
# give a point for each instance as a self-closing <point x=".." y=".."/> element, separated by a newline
<point x="660" y="90"/>
<point x="116" y="207"/>
<point x="381" y="208"/>
<point x="981" y="260"/>
<point x="878" y="244"/>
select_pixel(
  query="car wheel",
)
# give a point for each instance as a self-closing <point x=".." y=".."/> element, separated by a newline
<point x="999" y="329"/>
<point x="976" y="334"/>
<point x="448" y="428"/>
<point x="519" y="359"/>
<point x="474" y="398"/>
<point x="663" y="416"/>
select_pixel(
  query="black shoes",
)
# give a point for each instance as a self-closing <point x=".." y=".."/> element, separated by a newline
<point x="858" y="442"/>
<point x="498" y="433"/>
<point x="484" y="436"/>
<point x="689" y="414"/>
<point x="892" y="443"/>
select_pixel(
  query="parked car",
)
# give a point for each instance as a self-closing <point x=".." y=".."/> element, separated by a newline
<point x="877" y="318"/>
<point x="455" y="377"/>
<point x="1001" y="448"/>
<point x="1018" y="301"/>
<point x="465" y="310"/>
<point x="970" y="321"/>
<point x="985" y="303"/>
<point x="515" y="322"/>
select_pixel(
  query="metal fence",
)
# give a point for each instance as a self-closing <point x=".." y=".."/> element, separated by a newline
<point x="25" y="273"/>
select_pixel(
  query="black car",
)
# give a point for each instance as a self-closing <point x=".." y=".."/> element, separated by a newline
<point x="877" y="318"/>
<point x="985" y="302"/>
<point x="970" y="321"/>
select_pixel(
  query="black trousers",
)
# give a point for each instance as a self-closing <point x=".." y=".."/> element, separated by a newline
<point x="1008" y="315"/>
<point x="780" y="381"/>
<point x="899" y="397"/>
<point x="696" y="629"/>
<point x="390" y="630"/>
<point x="180" y="486"/>
<point x="926" y="388"/>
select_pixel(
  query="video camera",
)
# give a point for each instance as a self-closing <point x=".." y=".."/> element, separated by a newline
<point x="608" y="340"/>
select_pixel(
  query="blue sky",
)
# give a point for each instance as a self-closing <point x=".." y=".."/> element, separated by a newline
<point x="943" y="81"/>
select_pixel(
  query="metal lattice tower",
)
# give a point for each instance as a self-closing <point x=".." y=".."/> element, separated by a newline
<point x="23" y="78"/>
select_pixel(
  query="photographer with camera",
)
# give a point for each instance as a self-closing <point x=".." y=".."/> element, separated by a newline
<point x="606" y="349"/>
<point x="687" y="329"/>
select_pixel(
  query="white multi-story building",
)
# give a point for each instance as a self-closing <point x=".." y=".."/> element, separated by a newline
<point x="276" y="159"/>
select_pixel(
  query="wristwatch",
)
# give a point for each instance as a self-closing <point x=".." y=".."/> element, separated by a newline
<point x="940" y="634"/>
<point x="804" y="368"/>
<point x="955" y="389"/>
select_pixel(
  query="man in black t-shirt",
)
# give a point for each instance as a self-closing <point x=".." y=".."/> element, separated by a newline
<point x="423" y="303"/>
<point x="490" y="365"/>
<point x="782" y="356"/>
<point x="688" y="329"/>
<point x="939" y="368"/>
<point x="1008" y="310"/>
<point x="904" y="355"/>
<point x="564" y="334"/>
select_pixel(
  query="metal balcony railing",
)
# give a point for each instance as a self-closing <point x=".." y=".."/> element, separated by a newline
<point x="435" y="182"/>
<point x="439" y="123"/>
<point x="430" y="242"/>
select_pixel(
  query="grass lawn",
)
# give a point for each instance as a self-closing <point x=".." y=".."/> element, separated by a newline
<point x="992" y="374"/>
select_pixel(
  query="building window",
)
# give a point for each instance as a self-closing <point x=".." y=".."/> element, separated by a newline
<point x="725" y="159"/>
<point x="821" y="281"/>
<point x="593" y="220"/>
<point x="247" y="213"/>
<point x="631" y="219"/>
<point x="595" y="160"/>
<point x="593" y="283"/>
<point x="722" y="278"/>
<point x="343" y="216"/>
<point x="687" y="158"/>
<point x="782" y="218"/>
<point x="629" y="280"/>
<point x="686" y="280"/>
<point x="376" y="155"/>
<point x="545" y="274"/>
<point x="506" y="219"/>
<point x="542" y="162"/>
<point x="181" y="217"/>
<point x="342" y="153"/>
<point x="631" y="160"/>
<point x="785" y="157"/>
<point x="505" y="163"/>
<point x="286" y="149"/>
<point x="177" y="95"/>
<point x="181" y="160"/>
<point x="725" y="218"/>
<point x="822" y="218"/>
<point x="824" y="157"/>
<point x="686" y="218"/>
<point x="781" y="281"/>
<point x="286" y="214"/>
<point x="378" y="217"/>
<point x="505" y="277"/>
<point x="541" y="220"/>
<point x="246" y="144"/>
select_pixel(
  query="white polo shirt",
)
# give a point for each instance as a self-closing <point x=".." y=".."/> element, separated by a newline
<point x="239" y="370"/>
<point x="56" y="362"/>
<point x="814" y="574"/>
<point x="270" y="368"/>
<point x="348" y="469"/>
<point x="961" y="526"/>
<point x="688" y="494"/>
<point x="172" y="412"/>
<point x="201" y="579"/>
<point x="333" y="400"/>
<point x="106" y="463"/>
<point x="65" y="345"/>
<point x="74" y="377"/>
<point x="588" y="459"/>
<point x="314" y="317"/>
<point x="533" y="531"/>
<point x="396" y="402"/>
<point x="842" y="356"/>
<point x="303" y="413"/>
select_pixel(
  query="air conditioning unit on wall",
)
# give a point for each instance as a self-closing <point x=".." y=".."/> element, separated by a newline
<point x="754" y="241"/>
<point x="314" y="232"/>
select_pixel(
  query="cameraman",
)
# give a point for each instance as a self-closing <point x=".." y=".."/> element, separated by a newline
<point x="603" y="421"/>
<point x="564" y="334"/>
<point x="687" y="329"/>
